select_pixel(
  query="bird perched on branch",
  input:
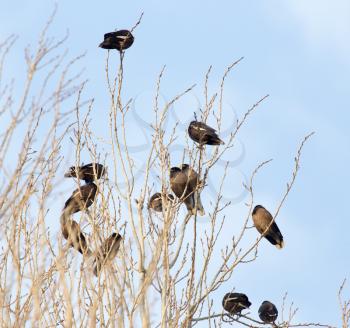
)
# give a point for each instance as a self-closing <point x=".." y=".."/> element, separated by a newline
<point x="235" y="303"/>
<point x="81" y="199"/>
<point x="119" y="40"/>
<point x="88" y="172"/>
<point x="155" y="201"/>
<point x="76" y="239"/>
<point x="268" y="312"/>
<point x="264" y="223"/>
<point x="107" y="252"/>
<point x="185" y="183"/>
<point x="203" y="134"/>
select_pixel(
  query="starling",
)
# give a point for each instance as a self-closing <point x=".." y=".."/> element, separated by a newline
<point x="107" y="252"/>
<point x="76" y="239"/>
<point x="155" y="201"/>
<point x="185" y="182"/>
<point x="81" y="198"/>
<point x="88" y="172"/>
<point x="263" y="222"/>
<point x="120" y="40"/>
<point x="203" y="134"/>
<point x="268" y="312"/>
<point x="234" y="303"/>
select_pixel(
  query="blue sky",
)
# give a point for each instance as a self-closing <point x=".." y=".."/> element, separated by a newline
<point x="296" y="51"/>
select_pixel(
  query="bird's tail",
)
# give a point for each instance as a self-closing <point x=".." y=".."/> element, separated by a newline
<point x="280" y="244"/>
<point x="64" y="217"/>
<point x="215" y="140"/>
<point x="198" y="205"/>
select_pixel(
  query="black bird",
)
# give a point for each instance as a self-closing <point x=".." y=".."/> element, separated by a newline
<point x="107" y="252"/>
<point x="185" y="182"/>
<point x="88" y="172"/>
<point x="203" y="134"/>
<point x="155" y="201"/>
<point x="120" y="40"/>
<point x="76" y="239"/>
<point x="268" y="312"/>
<point x="263" y="221"/>
<point x="81" y="198"/>
<point x="234" y="303"/>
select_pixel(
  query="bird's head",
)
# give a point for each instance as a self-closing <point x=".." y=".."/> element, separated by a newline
<point x="154" y="198"/>
<point x="170" y="197"/>
<point x="174" y="171"/>
<point x="115" y="236"/>
<point x="184" y="166"/>
<point x="256" y="208"/>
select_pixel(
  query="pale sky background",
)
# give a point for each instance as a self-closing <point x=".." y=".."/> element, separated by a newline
<point x="298" y="52"/>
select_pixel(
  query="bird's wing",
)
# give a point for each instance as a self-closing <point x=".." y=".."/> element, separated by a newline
<point x="107" y="252"/>
<point x="193" y="179"/>
<point x="179" y="184"/>
<point x="82" y="195"/>
<point x="111" y="247"/>
<point x="88" y="166"/>
<point x="200" y="126"/>
<point x="267" y="219"/>
<point x="75" y="195"/>
<point x="88" y="192"/>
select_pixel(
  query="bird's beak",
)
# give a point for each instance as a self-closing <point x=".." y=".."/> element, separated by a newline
<point x="67" y="175"/>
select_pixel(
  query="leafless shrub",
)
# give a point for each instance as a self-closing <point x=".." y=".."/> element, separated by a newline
<point x="163" y="275"/>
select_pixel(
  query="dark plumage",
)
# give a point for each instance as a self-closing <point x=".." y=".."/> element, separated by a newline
<point x="107" y="252"/>
<point x="203" y="134"/>
<point x="120" y="40"/>
<point x="88" y="172"/>
<point x="185" y="182"/>
<point x="268" y="312"/>
<point x="81" y="199"/>
<point x="76" y="239"/>
<point x="262" y="220"/>
<point x="234" y="303"/>
<point x="155" y="201"/>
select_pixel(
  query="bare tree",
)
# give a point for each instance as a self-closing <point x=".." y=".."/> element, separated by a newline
<point x="160" y="272"/>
